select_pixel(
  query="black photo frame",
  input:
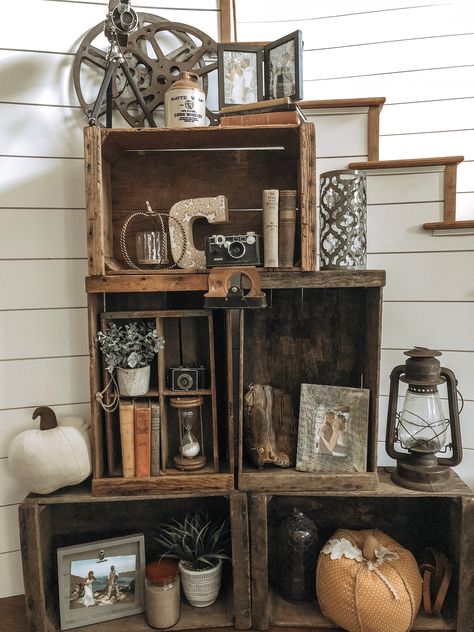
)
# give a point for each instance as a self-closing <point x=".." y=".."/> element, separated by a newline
<point x="240" y="74"/>
<point x="283" y="62"/>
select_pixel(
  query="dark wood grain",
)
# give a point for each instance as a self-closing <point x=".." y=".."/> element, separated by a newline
<point x="259" y="560"/>
<point x="342" y="103"/>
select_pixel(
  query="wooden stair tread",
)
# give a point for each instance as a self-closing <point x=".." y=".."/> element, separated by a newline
<point x="456" y="225"/>
<point x="408" y="162"/>
<point x="343" y="103"/>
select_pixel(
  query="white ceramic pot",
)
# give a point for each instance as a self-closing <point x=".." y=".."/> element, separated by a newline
<point x="201" y="588"/>
<point x="133" y="382"/>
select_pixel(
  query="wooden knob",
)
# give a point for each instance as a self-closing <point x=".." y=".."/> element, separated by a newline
<point x="371" y="544"/>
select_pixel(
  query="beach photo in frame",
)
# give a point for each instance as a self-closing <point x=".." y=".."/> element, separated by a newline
<point x="333" y="428"/>
<point x="101" y="580"/>
<point x="240" y="74"/>
<point x="283" y="60"/>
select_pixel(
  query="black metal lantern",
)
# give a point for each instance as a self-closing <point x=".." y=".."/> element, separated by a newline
<point x="421" y="427"/>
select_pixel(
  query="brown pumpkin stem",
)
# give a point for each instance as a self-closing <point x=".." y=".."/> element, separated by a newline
<point x="371" y="544"/>
<point x="47" y="417"/>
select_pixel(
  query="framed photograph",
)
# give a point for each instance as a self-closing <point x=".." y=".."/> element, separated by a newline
<point x="240" y="74"/>
<point x="283" y="67"/>
<point x="333" y="427"/>
<point x="101" y="580"/>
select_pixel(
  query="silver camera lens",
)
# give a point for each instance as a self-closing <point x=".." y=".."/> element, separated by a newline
<point x="236" y="249"/>
<point x="184" y="382"/>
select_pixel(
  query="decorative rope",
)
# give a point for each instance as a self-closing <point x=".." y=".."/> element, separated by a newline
<point x="115" y="396"/>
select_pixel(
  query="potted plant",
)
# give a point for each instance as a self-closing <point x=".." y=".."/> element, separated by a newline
<point x="128" y="350"/>
<point x="200" y="545"/>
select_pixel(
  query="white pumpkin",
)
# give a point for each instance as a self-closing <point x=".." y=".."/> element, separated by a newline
<point x="53" y="456"/>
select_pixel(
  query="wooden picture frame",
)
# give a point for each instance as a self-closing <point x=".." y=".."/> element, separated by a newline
<point x="333" y="429"/>
<point x="283" y="63"/>
<point x="101" y="580"/>
<point x="240" y="74"/>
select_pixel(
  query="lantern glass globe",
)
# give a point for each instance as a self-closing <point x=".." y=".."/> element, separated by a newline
<point x="423" y="426"/>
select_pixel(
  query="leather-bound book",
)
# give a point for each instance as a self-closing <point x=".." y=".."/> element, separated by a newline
<point x="142" y="439"/>
<point x="127" y="437"/>
<point x="286" y="229"/>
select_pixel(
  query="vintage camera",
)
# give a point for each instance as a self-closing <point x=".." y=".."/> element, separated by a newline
<point x="187" y="377"/>
<point x="231" y="250"/>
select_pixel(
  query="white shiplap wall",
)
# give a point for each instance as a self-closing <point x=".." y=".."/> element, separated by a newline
<point x="43" y="325"/>
<point x="419" y="54"/>
<point x="419" y="57"/>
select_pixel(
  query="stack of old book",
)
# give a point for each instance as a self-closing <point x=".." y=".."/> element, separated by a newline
<point x="282" y="111"/>
<point x="140" y="437"/>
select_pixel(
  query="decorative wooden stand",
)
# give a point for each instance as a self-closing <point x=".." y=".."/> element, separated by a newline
<point x="319" y="327"/>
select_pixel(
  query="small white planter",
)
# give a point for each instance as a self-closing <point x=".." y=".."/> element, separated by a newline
<point x="201" y="588"/>
<point x="133" y="382"/>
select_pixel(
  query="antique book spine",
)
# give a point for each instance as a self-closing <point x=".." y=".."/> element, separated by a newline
<point x="127" y="434"/>
<point x="142" y="439"/>
<point x="155" y="438"/>
<point x="263" y="118"/>
<point x="270" y="228"/>
<point x="286" y="229"/>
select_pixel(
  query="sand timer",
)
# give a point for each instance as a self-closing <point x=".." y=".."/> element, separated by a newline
<point x="191" y="438"/>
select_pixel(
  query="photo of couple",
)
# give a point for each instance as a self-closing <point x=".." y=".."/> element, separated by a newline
<point x="109" y="584"/>
<point x="240" y="70"/>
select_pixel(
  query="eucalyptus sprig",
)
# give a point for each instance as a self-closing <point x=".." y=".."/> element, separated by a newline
<point x="130" y="345"/>
<point x="197" y="541"/>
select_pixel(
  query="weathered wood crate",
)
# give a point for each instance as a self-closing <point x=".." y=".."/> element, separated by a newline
<point x="194" y="336"/>
<point x="126" y="167"/>
<point x="75" y="517"/>
<point x="321" y="330"/>
<point x="443" y="520"/>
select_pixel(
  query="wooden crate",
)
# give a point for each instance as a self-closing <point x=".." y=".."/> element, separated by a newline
<point x="125" y="167"/>
<point x="321" y="330"/>
<point x="191" y="335"/>
<point x="443" y="520"/>
<point x="75" y="517"/>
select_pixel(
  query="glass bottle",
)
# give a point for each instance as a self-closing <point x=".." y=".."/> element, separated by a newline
<point x="162" y="593"/>
<point x="297" y="540"/>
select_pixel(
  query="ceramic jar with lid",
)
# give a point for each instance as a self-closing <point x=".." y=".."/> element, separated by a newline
<point x="185" y="103"/>
<point x="162" y="593"/>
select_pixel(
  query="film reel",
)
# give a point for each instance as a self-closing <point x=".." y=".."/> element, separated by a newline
<point x="156" y="54"/>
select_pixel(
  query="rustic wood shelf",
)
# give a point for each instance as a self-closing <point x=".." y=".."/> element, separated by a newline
<point x="414" y="519"/>
<point x="74" y="516"/>
<point x="177" y="482"/>
<point x="407" y="163"/>
<point x="309" y="615"/>
<point x="198" y="282"/>
<point x="126" y="167"/>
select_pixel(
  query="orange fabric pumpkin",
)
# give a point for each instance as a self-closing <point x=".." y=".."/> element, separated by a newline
<point x="367" y="582"/>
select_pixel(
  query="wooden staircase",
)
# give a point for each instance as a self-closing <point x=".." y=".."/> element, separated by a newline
<point x="445" y="166"/>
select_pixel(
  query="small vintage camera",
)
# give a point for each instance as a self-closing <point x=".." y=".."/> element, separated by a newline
<point x="186" y="378"/>
<point x="231" y="250"/>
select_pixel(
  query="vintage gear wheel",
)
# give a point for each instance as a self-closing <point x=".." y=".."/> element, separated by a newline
<point x="156" y="54"/>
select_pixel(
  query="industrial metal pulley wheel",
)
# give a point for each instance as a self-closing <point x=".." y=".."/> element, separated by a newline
<point x="156" y="53"/>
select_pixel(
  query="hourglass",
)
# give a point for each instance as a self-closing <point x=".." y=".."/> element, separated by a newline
<point x="191" y="449"/>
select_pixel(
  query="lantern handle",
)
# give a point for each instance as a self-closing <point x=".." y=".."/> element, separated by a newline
<point x="390" y="437"/>
<point x="451" y="384"/>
